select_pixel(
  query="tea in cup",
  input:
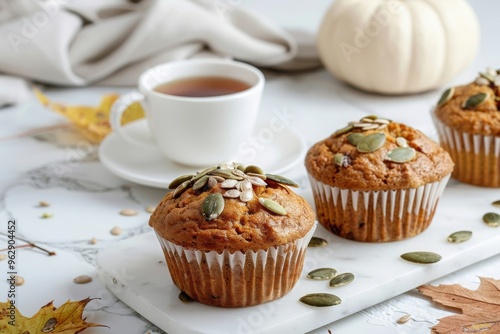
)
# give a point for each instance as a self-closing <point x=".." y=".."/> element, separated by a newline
<point x="198" y="111"/>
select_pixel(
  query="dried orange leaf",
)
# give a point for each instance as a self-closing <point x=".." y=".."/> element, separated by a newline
<point x="92" y="121"/>
<point x="480" y="308"/>
<point x="66" y="319"/>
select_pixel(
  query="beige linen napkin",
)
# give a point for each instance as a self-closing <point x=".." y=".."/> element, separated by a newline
<point x="81" y="42"/>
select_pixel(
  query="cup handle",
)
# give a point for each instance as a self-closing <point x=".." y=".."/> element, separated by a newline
<point x="117" y="110"/>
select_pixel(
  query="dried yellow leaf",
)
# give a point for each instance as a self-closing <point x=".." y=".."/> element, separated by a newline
<point x="67" y="319"/>
<point x="92" y="121"/>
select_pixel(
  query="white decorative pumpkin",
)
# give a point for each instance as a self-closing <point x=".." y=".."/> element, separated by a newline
<point x="398" y="46"/>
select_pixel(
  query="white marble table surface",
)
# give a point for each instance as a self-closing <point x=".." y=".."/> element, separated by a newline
<point x="85" y="198"/>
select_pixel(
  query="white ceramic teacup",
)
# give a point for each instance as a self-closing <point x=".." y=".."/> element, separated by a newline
<point x="194" y="130"/>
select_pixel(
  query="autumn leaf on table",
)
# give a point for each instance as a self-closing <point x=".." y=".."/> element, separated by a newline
<point x="67" y="319"/>
<point x="92" y="121"/>
<point x="480" y="308"/>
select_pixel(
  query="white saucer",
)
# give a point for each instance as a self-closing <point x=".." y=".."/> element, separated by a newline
<point x="151" y="168"/>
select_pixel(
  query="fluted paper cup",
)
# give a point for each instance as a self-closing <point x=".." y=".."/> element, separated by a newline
<point x="476" y="157"/>
<point x="376" y="216"/>
<point x="236" y="279"/>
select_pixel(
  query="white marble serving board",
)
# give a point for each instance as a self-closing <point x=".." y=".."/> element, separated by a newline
<point x="131" y="269"/>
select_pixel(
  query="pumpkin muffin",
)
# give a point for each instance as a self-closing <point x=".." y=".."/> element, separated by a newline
<point x="233" y="236"/>
<point x="377" y="180"/>
<point x="468" y="122"/>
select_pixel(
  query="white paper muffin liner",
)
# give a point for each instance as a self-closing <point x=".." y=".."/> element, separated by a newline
<point x="376" y="216"/>
<point x="236" y="279"/>
<point x="476" y="157"/>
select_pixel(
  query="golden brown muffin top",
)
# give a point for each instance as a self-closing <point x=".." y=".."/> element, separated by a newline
<point x="244" y="223"/>
<point x="405" y="158"/>
<point x="473" y="108"/>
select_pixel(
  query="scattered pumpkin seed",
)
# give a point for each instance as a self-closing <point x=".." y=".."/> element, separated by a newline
<point x="150" y="209"/>
<point x="184" y="297"/>
<point x="128" y="212"/>
<point x="232" y="193"/>
<point x="354" y="138"/>
<point x="343" y="130"/>
<point x="256" y="181"/>
<point x="341" y="279"/>
<point x="46" y="215"/>
<point x="322" y="274"/>
<point x="371" y="142"/>
<point x="496" y="203"/>
<point x="460" y="236"/>
<point x="491" y="71"/>
<point x="488" y="76"/>
<point x="320" y="299"/>
<point x="200" y="183"/>
<point x="360" y="125"/>
<point x="239" y="166"/>
<point x="370" y="127"/>
<point x="93" y="241"/>
<point x="43" y="204"/>
<point x="339" y="159"/>
<point x="19" y="280"/>
<point x="3" y="257"/>
<point x="404" y="319"/>
<point x="401" y="142"/>
<point x="346" y="161"/>
<point x="254" y="169"/>
<point x="181" y="188"/>
<point x="179" y="180"/>
<point x="82" y="279"/>
<point x="497" y="81"/>
<point x="225" y="173"/>
<point x="421" y="257"/>
<point x="401" y="154"/>
<point x="260" y="176"/>
<point x="217" y="178"/>
<point x="317" y="242"/>
<point x="246" y="195"/>
<point x="446" y="96"/>
<point x="366" y="123"/>
<point x="272" y="206"/>
<point x="246" y="185"/>
<point x="281" y="180"/>
<point x="382" y="121"/>
<point x="475" y="100"/>
<point x="212" y="182"/>
<point x="117" y="230"/>
<point x="228" y="183"/>
<point x="212" y="206"/>
<point x="482" y="81"/>
<point x="203" y="173"/>
<point x="238" y="172"/>
<point x="492" y="219"/>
